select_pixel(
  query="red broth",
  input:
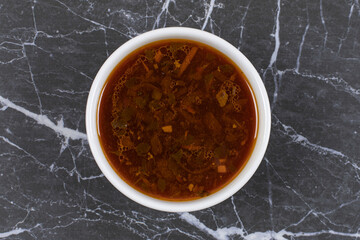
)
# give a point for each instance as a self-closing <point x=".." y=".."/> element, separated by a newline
<point x="177" y="120"/>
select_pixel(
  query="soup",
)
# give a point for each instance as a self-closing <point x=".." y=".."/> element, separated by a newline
<point x="177" y="120"/>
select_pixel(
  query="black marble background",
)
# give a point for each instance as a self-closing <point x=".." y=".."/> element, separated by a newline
<point x="308" y="54"/>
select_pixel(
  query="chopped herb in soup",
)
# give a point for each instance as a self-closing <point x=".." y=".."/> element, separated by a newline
<point x="177" y="120"/>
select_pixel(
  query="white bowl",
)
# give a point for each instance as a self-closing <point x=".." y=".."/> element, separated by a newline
<point x="262" y="100"/>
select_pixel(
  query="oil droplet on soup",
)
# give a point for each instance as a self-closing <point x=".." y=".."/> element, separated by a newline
<point x="177" y="120"/>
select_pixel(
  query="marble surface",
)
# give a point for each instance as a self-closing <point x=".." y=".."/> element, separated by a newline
<point x="308" y="54"/>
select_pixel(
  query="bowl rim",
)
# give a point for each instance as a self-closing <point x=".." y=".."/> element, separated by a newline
<point x="262" y="100"/>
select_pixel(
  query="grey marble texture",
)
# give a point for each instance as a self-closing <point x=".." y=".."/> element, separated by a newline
<point x="308" y="54"/>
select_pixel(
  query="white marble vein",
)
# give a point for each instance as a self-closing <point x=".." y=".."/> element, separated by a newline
<point x="323" y="23"/>
<point x="28" y="60"/>
<point x="242" y="24"/>
<point x="164" y="10"/>
<point x="270" y="195"/>
<point x="220" y="233"/>
<point x="344" y="37"/>
<point x="18" y="52"/>
<point x="300" y="139"/>
<point x="106" y="43"/>
<point x="81" y="205"/>
<point x="301" y="47"/>
<point x="237" y="215"/>
<point x="272" y="64"/>
<point x="33" y="81"/>
<point x="276" y="35"/>
<point x="337" y="82"/>
<point x="45" y="121"/>
<point x="322" y="217"/>
<point x="53" y="167"/>
<point x="6" y="140"/>
<point x="208" y="12"/>
<point x="99" y="25"/>
<point x="17" y="231"/>
<point x="226" y="233"/>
